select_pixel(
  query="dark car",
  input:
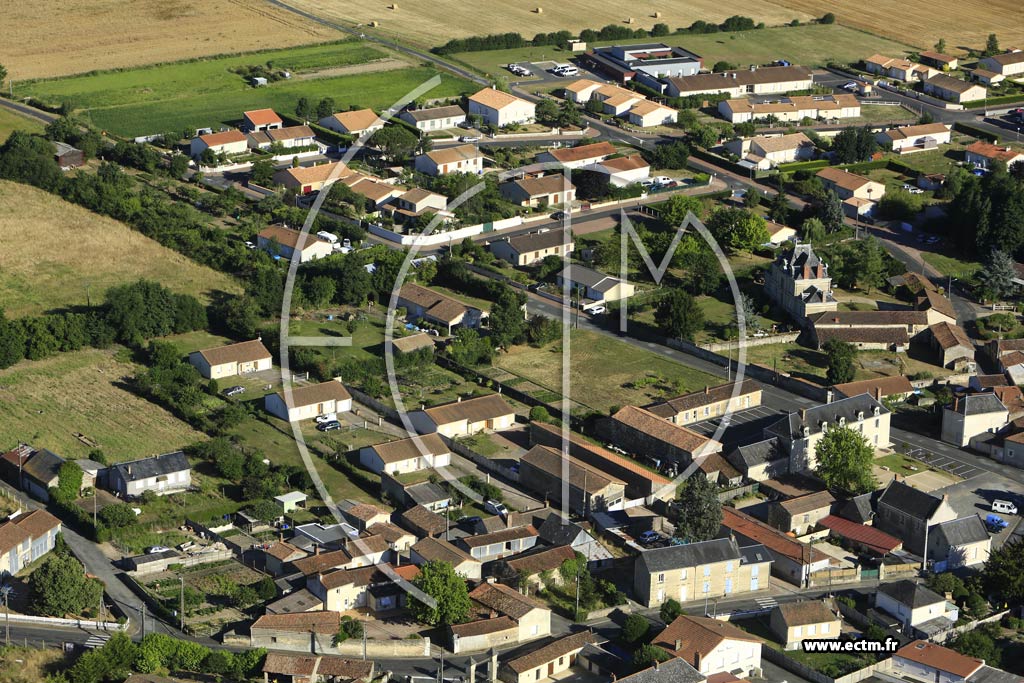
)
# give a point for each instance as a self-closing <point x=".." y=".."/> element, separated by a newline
<point x="329" y="426"/>
<point x="234" y="391"/>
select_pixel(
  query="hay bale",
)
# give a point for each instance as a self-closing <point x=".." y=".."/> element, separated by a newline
<point x="657" y="15"/>
<point x="539" y="10"/>
<point x="394" y="7"/>
<point x="629" y="20"/>
<point x="374" y="24"/>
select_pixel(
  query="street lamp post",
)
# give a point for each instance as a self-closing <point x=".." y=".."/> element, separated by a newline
<point x="182" y="620"/>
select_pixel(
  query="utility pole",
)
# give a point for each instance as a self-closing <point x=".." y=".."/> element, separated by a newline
<point x="143" y="619"/>
<point x="7" y="615"/>
<point x="576" y="613"/>
<point x="182" y="620"/>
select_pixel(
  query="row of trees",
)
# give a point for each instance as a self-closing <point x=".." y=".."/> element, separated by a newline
<point x="130" y="314"/>
<point x="508" y="41"/>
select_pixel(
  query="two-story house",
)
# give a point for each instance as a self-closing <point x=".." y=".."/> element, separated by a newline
<point x="711" y="646"/>
<point x="695" y="571"/>
<point x="907" y="513"/>
<point x="161" y="474"/>
<point x="916" y="606"/>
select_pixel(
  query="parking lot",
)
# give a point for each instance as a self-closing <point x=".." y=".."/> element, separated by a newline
<point x="742" y="426"/>
<point x="946" y="463"/>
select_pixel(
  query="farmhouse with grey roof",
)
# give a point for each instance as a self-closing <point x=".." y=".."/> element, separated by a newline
<point x="161" y="474"/>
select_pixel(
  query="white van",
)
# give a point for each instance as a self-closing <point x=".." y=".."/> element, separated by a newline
<point x="329" y="236"/>
<point x="1004" y="506"/>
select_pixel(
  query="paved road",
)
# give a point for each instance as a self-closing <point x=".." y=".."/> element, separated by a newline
<point x="25" y="110"/>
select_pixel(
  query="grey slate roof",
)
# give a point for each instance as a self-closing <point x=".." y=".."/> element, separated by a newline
<point x="588" y="277"/>
<point x="690" y="555"/>
<point x="555" y="532"/>
<point x="963" y="531"/>
<point x="673" y="671"/>
<point x="978" y="404"/>
<point x="753" y="454"/>
<point x="426" y="493"/>
<point x="790" y="427"/>
<point x="800" y="255"/>
<point x="755" y="554"/>
<point x="913" y="502"/>
<point x="858" y="509"/>
<point x="152" y="467"/>
<point x="435" y="113"/>
<point x="43" y="466"/>
<point x="911" y="594"/>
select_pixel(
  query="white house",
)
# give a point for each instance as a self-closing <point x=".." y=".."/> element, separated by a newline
<point x="712" y="646"/>
<point x="767" y="151"/>
<point x="278" y="240"/>
<point x="406" y="455"/>
<point x="290" y="137"/>
<point x="461" y="159"/>
<point x="623" y="171"/>
<point x="579" y="156"/>
<point x="26" y="537"/>
<point x="647" y="113"/>
<point x="353" y="122"/>
<point x="464" y="418"/>
<point x="1007" y="64"/>
<point x="231" y="360"/>
<point x="549" y="190"/>
<point x="225" y="142"/>
<point x="162" y="474"/>
<point x="913" y="604"/>
<point x="260" y="119"/>
<point x="500" y="108"/>
<point x="907" y="139"/>
<point x="932" y="663"/>
<point x="310" y="401"/>
<point x="953" y="89"/>
<point x="983" y="154"/>
<point x="437" y="118"/>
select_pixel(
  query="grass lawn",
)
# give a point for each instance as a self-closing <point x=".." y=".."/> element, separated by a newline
<point x="196" y="341"/>
<point x="881" y="114"/>
<point x="810" y="45"/>
<point x="367" y="339"/>
<point x="54" y="254"/>
<point x="636" y="377"/>
<point x="819" y="661"/>
<point x="29" y="664"/>
<point x="9" y="121"/>
<point x="46" y="402"/>
<point x="224" y="105"/>
<point x="935" y="160"/>
<point x="790" y="358"/>
<point x="949" y="265"/>
<point x="901" y="464"/>
<point x="482" y="444"/>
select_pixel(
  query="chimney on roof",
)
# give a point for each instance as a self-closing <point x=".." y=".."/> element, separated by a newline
<point x="494" y="614"/>
<point x="878" y="393"/>
<point x="707" y="389"/>
<point x="679" y="644"/>
<point x="829" y="395"/>
<point x="956" y="404"/>
<point x="696" y="661"/>
<point x="655" y="664"/>
<point x="803" y="414"/>
<point x="316" y="548"/>
<point x="459" y="400"/>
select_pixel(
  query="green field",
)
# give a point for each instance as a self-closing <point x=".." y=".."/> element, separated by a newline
<point x="9" y="122"/>
<point x="45" y="403"/>
<point x="811" y="45"/>
<point x="948" y="265"/>
<point x="205" y="93"/>
<point x="634" y="377"/>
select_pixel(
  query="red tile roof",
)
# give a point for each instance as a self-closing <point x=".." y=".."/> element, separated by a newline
<point x="869" y="537"/>
<point x="941" y="658"/>
<point x="773" y="539"/>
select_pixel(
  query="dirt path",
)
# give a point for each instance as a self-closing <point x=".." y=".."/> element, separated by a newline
<point x="390" y="64"/>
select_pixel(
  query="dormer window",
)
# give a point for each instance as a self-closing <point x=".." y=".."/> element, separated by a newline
<point x="824" y="426"/>
<point x="842" y="422"/>
<point x="860" y="415"/>
<point x="876" y="411"/>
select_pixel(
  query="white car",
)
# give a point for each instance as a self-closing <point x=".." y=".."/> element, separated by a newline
<point x="662" y="180"/>
<point x="915" y="190"/>
<point x="850" y="86"/>
<point x="495" y="508"/>
<point x="598" y="310"/>
<point x="158" y="549"/>
<point x="1004" y="506"/>
<point x="469" y="138"/>
<point x="327" y="417"/>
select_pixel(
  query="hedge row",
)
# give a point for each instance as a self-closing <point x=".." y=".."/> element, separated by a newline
<point x="962" y="127"/>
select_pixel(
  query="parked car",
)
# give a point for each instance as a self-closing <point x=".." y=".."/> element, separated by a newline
<point x="249" y="245"/>
<point x="1004" y="506"/>
<point x="157" y="549"/>
<point x="598" y="310"/>
<point x="915" y="190"/>
<point x="648" y="537"/>
<point x="326" y="417"/>
<point x="995" y="523"/>
<point x="329" y="426"/>
<point x="558" y="215"/>
<point x="850" y="86"/>
<point x="495" y="508"/>
<point x="469" y="138"/>
<point x="234" y="391"/>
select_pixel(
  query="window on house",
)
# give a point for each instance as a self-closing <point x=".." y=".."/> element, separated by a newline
<point x="661" y="578"/>
<point x="728" y="566"/>
<point x="707" y="586"/>
<point x="707" y="570"/>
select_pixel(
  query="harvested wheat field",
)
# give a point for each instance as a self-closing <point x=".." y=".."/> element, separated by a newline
<point x="59" y="37"/>
<point x="54" y="254"/>
<point x="433" y="22"/>
<point x="921" y="23"/>
<point x="47" y="402"/>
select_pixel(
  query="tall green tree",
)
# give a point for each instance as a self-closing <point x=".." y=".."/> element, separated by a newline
<point x="845" y="459"/>
<point x="940" y="46"/>
<point x="678" y="206"/>
<point x="449" y="591"/>
<point x="679" y="315"/>
<point x="507" y="320"/>
<point x="547" y="112"/>
<point x="324" y="108"/>
<point x="262" y="172"/>
<point x="871" y="264"/>
<point x="832" y="212"/>
<point x="813" y="230"/>
<point x="996" y="278"/>
<point x="303" y="109"/>
<point x="396" y="141"/>
<point x="991" y="45"/>
<point x="840" y="356"/>
<point x="700" y="512"/>
<point x="59" y="586"/>
<point x="1003" y="574"/>
<point x="3" y="75"/>
<point x="738" y="229"/>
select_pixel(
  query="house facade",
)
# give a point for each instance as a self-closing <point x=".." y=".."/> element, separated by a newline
<point x="353" y="122"/>
<point x="231" y="360"/>
<point x="798" y="281"/>
<point x="1006" y="64"/>
<point x="697" y="571"/>
<point x="436" y="118"/>
<point x="794" y="622"/>
<point x="907" y="513"/>
<point x="525" y="250"/>
<point x="711" y="646"/>
<point x="283" y="242"/>
<point x="710" y="403"/>
<point x="972" y="415"/>
<point x="406" y="455"/>
<point x="499" y="108"/>
<point x="461" y="159"/>
<point x="161" y="474"/>
<point x="25" y="538"/>
<point x="549" y="190"/>
<point x="465" y="418"/>
<point x="310" y="401"/>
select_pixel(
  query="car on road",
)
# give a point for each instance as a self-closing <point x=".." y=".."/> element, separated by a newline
<point x="598" y="310"/>
<point x="850" y="86"/>
<point x="469" y="138"/>
<point x="558" y="215"/>
<point x="326" y="417"/>
<point x="1004" y="506"/>
<point x="234" y="391"/>
<point x="648" y="537"/>
<point x="329" y="426"/>
<point x="495" y="508"/>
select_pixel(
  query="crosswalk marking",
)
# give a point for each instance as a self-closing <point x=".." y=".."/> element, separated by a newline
<point x="96" y="641"/>
<point x="766" y="602"/>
